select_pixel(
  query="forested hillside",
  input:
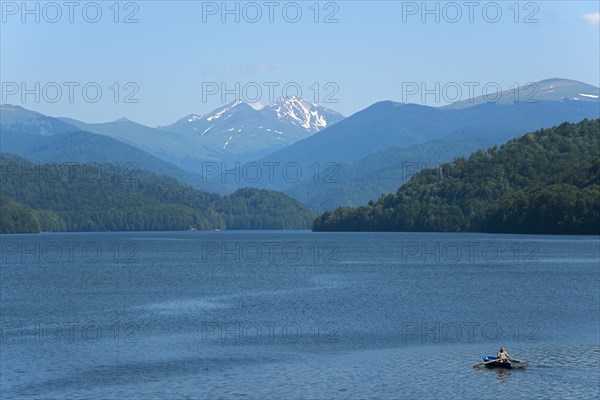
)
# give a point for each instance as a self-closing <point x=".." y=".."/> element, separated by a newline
<point x="14" y="218"/>
<point x="100" y="197"/>
<point x="543" y="182"/>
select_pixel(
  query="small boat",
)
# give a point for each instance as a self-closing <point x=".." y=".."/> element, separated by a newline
<point x="509" y="364"/>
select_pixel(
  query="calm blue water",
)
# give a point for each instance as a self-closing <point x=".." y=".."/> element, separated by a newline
<point x="209" y="315"/>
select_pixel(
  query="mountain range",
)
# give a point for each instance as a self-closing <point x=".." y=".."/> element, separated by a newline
<point x="391" y="124"/>
<point x="344" y="161"/>
<point x="359" y="178"/>
<point x="235" y="132"/>
<point x="44" y="139"/>
<point x="231" y="133"/>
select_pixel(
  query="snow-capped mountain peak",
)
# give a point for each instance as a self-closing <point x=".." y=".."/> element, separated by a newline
<point x="241" y="127"/>
<point x="302" y="113"/>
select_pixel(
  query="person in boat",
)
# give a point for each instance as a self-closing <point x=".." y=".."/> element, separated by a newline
<point x="503" y="355"/>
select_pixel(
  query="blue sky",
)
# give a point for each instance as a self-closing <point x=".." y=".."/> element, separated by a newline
<point x="177" y="51"/>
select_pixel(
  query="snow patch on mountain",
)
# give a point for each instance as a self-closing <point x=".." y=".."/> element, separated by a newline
<point x="294" y="111"/>
<point x="300" y="112"/>
<point x="193" y="117"/>
<point x="240" y="127"/>
<point x="222" y="111"/>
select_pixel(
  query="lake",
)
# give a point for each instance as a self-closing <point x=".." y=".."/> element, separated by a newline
<point x="296" y="314"/>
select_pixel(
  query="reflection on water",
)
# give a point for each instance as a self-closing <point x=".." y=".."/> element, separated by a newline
<point x="502" y="374"/>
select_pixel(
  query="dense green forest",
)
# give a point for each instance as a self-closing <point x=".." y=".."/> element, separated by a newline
<point x="100" y="197"/>
<point x="14" y="218"/>
<point x="263" y="209"/>
<point x="543" y="182"/>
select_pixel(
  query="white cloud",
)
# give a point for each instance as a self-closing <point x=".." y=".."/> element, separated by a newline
<point x="592" y="18"/>
<point x="259" y="106"/>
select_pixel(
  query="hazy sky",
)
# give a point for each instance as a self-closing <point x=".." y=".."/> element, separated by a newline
<point x="178" y="56"/>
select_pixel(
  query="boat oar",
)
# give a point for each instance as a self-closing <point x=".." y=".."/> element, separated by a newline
<point x="485" y="362"/>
